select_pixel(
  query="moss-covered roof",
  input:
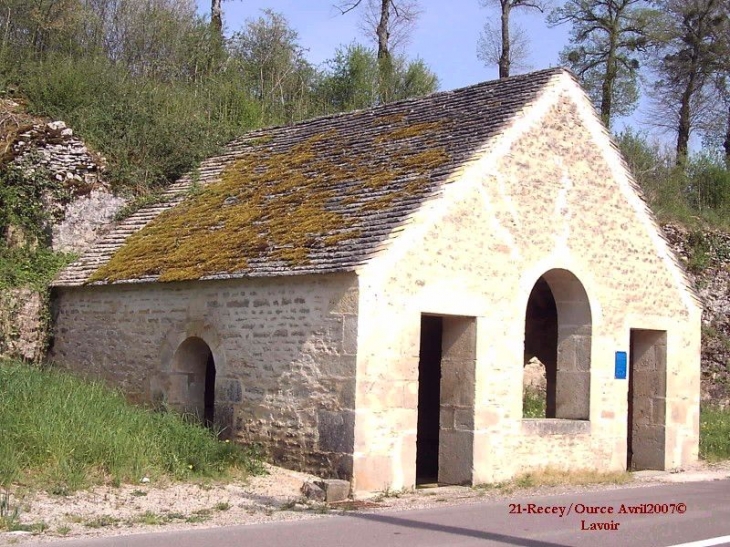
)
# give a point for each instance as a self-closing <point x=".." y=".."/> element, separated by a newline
<point x="315" y="197"/>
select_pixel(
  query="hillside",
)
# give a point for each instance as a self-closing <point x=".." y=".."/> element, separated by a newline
<point x="706" y="254"/>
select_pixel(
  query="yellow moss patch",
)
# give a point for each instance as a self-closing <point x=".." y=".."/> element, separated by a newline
<point x="407" y="131"/>
<point x="278" y="206"/>
<point x="388" y="120"/>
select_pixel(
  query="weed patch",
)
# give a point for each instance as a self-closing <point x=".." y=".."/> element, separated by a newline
<point x="557" y="477"/>
<point x="102" y="521"/>
<point x="714" y="434"/>
<point x="533" y="403"/>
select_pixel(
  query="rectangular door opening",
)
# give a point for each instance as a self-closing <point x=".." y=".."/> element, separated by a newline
<point x="446" y="389"/>
<point x="429" y="400"/>
<point x="646" y="427"/>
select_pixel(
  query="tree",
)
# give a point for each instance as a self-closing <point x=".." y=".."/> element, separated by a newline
<point x="36" y="28"/>
<point x="216" y="18"/>
<point x="351" y="79"/>
<point x="689" y="54"/>
<point x="715" y="121"/>
<point x="491" y="52"/>
<point x="607" y="37"/>
<point x="391" y="22"/>
<point x="511" y="47"/>
<point x="272" y="63"/>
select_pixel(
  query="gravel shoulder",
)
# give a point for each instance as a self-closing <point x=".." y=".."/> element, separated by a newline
<point x="276" y="496"/>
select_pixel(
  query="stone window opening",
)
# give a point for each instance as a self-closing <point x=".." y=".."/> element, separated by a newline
<point x="557" y="349"/>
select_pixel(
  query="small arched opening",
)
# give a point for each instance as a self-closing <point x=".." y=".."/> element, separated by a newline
<point x="192" y="389"/>
<point x="557" y="351"/>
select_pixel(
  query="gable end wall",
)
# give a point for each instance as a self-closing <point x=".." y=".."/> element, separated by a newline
<point x="550" y="193"/>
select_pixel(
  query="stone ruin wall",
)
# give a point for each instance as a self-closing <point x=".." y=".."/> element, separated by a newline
<point x="91" y="206"/>
<point x="88" y="208"/>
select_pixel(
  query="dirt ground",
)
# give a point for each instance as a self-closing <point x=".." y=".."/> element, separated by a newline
<point x="146" y="507"/>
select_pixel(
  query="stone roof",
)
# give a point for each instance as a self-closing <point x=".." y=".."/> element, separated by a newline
<point x="315" y="197"/>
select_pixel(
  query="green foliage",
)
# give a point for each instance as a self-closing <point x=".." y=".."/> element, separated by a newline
<point x="715" y="433"/>
<point x="695" y="194"/>
<point x="25" y="220"/>
<point x="21" y="202"/>
<point x="605" y="39"/>
<point x="699" y="256"/>
<point x="151" y="86"/>
<point x="692" y="46"/>
<point x="152" y="132"/>
<point x="30" y="267"/>
<point x="352" y="80"/>
<point x="62" y="433"/>
<point x="709" y="186"/>
<point x="271" y="64"/>
<point x="164" y="39"/>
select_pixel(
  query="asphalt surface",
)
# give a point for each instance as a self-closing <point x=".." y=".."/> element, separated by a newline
<point x="656" y="516"/>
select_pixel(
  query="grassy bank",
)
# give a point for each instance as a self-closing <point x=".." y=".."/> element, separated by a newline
<point x="714" y="434"/>
<point x="61" y="434"/>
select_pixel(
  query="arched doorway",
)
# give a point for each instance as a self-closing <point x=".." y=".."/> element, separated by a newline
<point x="558" y="331"/>
<point x="193" y="380"/>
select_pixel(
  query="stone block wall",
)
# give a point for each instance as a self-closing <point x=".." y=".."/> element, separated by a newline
<point x="284" y="353"/>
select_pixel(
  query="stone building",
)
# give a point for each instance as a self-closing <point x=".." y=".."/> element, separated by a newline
<point x="360" y="293"/>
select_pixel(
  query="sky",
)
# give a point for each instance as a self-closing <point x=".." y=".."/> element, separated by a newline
<point x="445" y="37"/>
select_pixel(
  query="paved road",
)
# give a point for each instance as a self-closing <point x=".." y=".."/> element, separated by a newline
<point x="525" y="522"/>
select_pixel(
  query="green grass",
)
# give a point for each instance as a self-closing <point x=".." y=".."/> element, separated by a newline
<point x="533" y="403"/>
<point x="714" y="434"/>
<point x="61" y="434"/>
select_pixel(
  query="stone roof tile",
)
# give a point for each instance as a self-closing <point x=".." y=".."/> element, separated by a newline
<point x="315" y="197"/>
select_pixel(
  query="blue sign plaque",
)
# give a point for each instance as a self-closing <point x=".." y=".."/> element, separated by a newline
<point x="621" y="365"/>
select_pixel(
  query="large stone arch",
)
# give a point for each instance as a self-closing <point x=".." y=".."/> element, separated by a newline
<point x="558" y="331"/>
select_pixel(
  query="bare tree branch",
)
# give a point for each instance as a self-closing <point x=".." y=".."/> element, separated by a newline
<point x="506" y="6"/>
<point x="347" y="7"/>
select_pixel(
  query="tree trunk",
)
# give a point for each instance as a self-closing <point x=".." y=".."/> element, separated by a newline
<point x="384" y="61"/>
<point x="504" y="60"/>
<point x="608" y="82"/>
<point x="216" y="17"/>
<point x="382" y="30"/>
<point x="726" y="142"/>
<point x="684" y="122"/>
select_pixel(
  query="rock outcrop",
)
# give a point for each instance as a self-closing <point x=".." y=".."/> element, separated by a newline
<point x="706" y="256"/>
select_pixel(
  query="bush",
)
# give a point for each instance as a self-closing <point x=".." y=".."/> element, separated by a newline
<point x="29" y="267"/>
<point x="696" y="195"/>
<point x="709" y="184"/>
